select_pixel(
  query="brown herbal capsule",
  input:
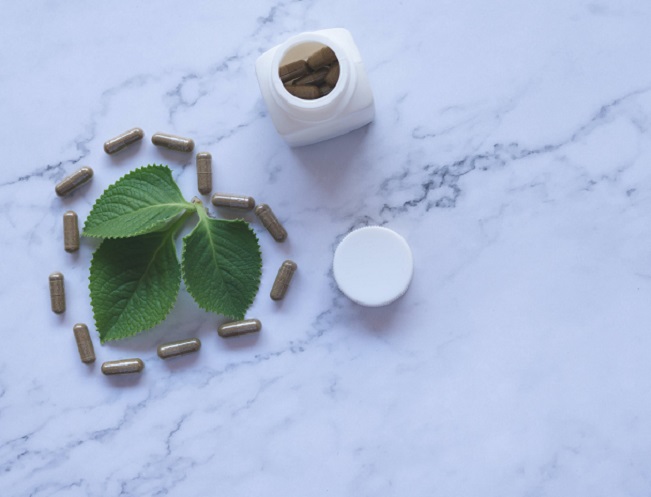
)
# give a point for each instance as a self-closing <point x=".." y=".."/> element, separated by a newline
<point x="84" y="343"/>
<point x="322" y="57"/>
<point x="234" y="201"/>
<point x="324" y="90"/>
<point x="57" y="293"/>
<point x="124" y="140"/>
<point x="204" y="172"/>
<point x="70" y="232"/>
<point x="293" y="70"/>
<point x="332" y="76"/>
<point x="237" y="328"/>
<point x="123" y="366"/>
<point x="283" y="278"/>
<point x="173" y="349"/>
<point x="317" y="77"/>
<point x="173" y="142"/>
<point x="306" y="92"/>
<point x="74" y="181"/>
<point x="270" y="221"/>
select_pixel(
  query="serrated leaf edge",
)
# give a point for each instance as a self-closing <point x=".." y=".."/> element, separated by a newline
<point x="258" y="272"/>
<point x="146" y="230"/>
<point x="103" y="341"/>
<point x="151" y="228"/>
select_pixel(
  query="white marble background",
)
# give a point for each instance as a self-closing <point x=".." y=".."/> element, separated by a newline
<point x="512" y="149"/>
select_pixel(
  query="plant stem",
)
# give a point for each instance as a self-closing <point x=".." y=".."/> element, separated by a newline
<point x="178" y="224"/>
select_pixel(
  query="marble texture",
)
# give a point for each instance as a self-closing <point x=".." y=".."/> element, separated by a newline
<point x="511" y="148"/>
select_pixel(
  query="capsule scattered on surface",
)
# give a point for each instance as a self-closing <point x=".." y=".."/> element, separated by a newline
<point x="293" y="70"/>
<point x="306" y="92"/>
<point x="70" y="231"/>
<point x="173" y="142"/>
<point x="322" y="57"/>
<point x="173" y="349"/>
<point x="84" y="343"/>
<point x="124" y="140"/>
<point x="204" y="172"/>
<point x="270" y="221"/>
<point x="237" y="328"/>
<point x="123" y="366"/>
<point x="283" y="279"/>
<point x="332" y="76"/>
<point x="74" y="181"/>
<point x="233" y="201"/>
<point x="57" y="293"/>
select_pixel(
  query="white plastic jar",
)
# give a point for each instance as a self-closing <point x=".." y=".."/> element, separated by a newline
<point x="347" y="107"/>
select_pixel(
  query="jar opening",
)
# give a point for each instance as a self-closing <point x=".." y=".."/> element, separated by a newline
<point x="309" y="70"/>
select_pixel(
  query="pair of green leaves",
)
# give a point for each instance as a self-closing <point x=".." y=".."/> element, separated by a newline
<point x="135" y="274"/>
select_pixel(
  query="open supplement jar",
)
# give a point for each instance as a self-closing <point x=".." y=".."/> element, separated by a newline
<point x="310" y="102"/>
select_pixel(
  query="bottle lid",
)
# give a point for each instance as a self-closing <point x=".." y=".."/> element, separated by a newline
<point x="373" y="266"/>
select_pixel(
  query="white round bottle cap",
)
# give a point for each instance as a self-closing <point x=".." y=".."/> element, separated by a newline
<point x="373" y="266"/>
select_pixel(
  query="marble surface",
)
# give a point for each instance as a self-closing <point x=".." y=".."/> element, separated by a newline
<point x="511" y="148"/>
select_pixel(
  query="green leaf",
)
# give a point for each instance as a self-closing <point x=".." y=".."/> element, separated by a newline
<point x="222" y="265"/>
<point x="133" y="283"/>
<point x="143" y="201"/>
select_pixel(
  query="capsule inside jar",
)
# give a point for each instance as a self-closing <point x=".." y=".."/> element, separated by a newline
<point x="309" y="71"/>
